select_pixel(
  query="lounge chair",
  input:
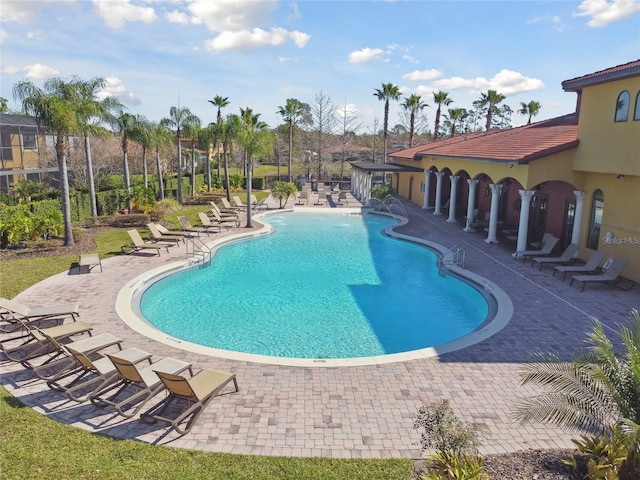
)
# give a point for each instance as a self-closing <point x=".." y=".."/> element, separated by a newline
<point x="181" y="233"/>
<point x="208" y="223"/>
<point x="322" y="197"/>
<point x="92" y="375"/>
<point x="224" y="222"/>
<point x="304" y="196"/>
<point x="10" y="309"/>
<point x="566" y="257"/>
<point x="138" y="244"/>
<point x="198" y="391"/>
<point x="262" y="204"/>
<point x="610" y="273"/>
<point x="549" y="242"/>
<point x="342" y="198"/>
<point x="186" y="226"/>
<point x="254" y="200"/>
<point x="230" y="207"/>
<point x="136" y="387"/>
<point x="225" y="214"/>
<point x="158" y="236"/>
<point x="34" y="343"/>
<point x="590" y="267"/>
<point x="238" y="202"/>
<point x="61" y="360"/>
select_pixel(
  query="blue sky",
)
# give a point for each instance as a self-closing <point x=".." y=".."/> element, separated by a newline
<point x="157" y="54"/>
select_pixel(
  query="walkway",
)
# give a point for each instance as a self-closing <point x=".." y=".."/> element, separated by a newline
<point x="359" y="412"/>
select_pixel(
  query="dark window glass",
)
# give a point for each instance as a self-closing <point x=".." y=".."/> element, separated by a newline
<point x="597" y="208"/>
<point x="622" y="107"/>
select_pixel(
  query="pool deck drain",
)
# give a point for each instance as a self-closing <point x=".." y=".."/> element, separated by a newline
<point x="355" y="411"/>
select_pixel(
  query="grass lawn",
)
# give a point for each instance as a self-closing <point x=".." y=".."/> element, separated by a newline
<point x="34" y="447"/>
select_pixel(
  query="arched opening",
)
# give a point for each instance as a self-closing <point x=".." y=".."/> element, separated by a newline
<point x="595" y="222"/>
<point x="622" y="107"/>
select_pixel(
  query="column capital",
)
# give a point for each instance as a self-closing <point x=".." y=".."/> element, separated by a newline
<point x="579" y="194"/>
<point x="439" y="174"/>
<point x="496" y="188"/>
<point x="472" y="183"/>
<point x="453" y="179"/>
<point x="526" y="194"/>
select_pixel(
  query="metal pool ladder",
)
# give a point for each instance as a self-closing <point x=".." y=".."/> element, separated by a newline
<point x="454" y="256"/>
<point x="196" y="247"/>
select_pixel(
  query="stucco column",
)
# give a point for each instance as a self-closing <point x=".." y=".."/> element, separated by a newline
<point x="452" y="198"/>
<point x="471" y="204"/>
<point x="353" y="181"/>
<point x="437" y="210"/>
<point x="427" y="187"/>
<point x="493" y="215"/>
<point x="367" y="188"/>
<point x="523" y="224"/>
<point x="577" y="217"/>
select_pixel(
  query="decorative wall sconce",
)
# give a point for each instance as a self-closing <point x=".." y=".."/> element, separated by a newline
<point x="487" y="190"/>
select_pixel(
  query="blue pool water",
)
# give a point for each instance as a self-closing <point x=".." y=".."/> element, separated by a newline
<point x="321" y="286"/>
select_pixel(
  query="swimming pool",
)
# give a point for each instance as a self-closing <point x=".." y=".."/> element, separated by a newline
<point x="320" y="287"/>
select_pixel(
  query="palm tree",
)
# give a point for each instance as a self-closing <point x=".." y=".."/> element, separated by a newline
<point x="256" y="140"/>
<point x="291" y="113"/>
<point x="388" y="92"/>
<point x="91" y="112"/>
<point x="210" y="137"/>
<point x="490" y="100"/>
<point x="600" y="389"/>
<point x="219" y="102"/>
<point x="55" y="106"/>
<point x="142" y="134"/>
<point x="441" y="98"/>
<point x="455" y="115"/>
<point x="129" y="128"/>
<point x="179" y="118"/>
<point x="160" y="136"/>
<point x="192" y="131"/>
<point x="413" y="104"/>
<point x="532" y="109"/>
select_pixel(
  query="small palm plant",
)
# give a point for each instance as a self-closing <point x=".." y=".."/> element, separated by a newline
<point x="598" y="391"/>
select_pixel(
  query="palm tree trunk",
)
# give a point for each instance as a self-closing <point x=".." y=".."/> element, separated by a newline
<point x="160" y="180"/>
<point x="290" y="148"/>
<point x="227" y="187"/>
<point x="61" y="153"/>
<point x="127" y="180"/>
<point x="249" y="168"/>
<point x="193" y="170"/>
<point x="90" y="181"/>
<point x="179" y="190"/>
<point x="209" y="171"/>
<point x="145" y="173"/>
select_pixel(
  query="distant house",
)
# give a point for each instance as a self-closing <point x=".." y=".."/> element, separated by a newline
<point x="576" y="176"/>
<point x="26" y="151"/>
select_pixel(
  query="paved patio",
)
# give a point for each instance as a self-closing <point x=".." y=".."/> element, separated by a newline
<point x="357" y="412"/>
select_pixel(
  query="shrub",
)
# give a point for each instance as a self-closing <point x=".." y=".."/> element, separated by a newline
<point x="381" y="191"/>
<point x="448" y="466"/>
<point x="603" y="454"/>
<point x="282" y="191"/>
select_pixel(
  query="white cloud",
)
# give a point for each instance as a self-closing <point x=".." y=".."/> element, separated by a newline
<point x="349" y="110"/>
<point x="232" y="15"/>
<point x="38" y="71"/>
<point x="604" y="12"/>
<point x="10" y="69"/>
<point x="422" y="75"/>
<point x="177" y="17"/>
<point x="116" y="13"/>
<point x="299" y="38"/>
<point x="114" y="87"/>
<point x="247" y="40"/>
<point x="365" y="55"/>
<point x="410" y="59"/>
<point x="506" y="82"/>
<point x="18" y="11"/>
<point x="426" y="92"/>
<point x="3" y="35"/>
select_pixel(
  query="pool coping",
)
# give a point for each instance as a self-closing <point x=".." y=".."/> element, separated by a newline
<point x="128" y="293"/>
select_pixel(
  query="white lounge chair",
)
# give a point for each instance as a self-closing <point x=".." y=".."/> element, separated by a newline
<point x="138" y="244"/>
<point x="590" y="267"/>
<point x="549" y="242"/>
<point x="566" y="257"/>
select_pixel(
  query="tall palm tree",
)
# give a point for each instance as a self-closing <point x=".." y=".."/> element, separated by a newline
<point x="291" y="113"/>
<point x="385" y="94"/>
<point x="229" y="132"/>
<point x="192" y="131"/>
<point x="128" y="126"/>
<point x="220" y="102"/>
<point x="179" y="118"/>
<point x="531" y="109"/>
<point x="598" y="390"/>
<point x="160" y="136"/>
<point x="256" y="140"/>
<point x="455" y="116"/>
<point x="91" y="112"/>
<point x="490" y="101"/>
<point x="142" y="134"/>
<point x="440" y="98"/>
<point x="414" y="105"/>
<point x="209" y="137"/>
<point x="54" y="106"/>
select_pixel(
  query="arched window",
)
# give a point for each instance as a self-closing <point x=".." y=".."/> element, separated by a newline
<point x="597" y="208"/>
<point x="636" y="112"/>
<point x="622" y="107"/>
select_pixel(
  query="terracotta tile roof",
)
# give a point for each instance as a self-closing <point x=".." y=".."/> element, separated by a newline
<point x="521" y="144"/>
<point x="619" y="72"/>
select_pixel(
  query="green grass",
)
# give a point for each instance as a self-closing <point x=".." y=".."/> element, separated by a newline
<point x="34" y="447"/>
